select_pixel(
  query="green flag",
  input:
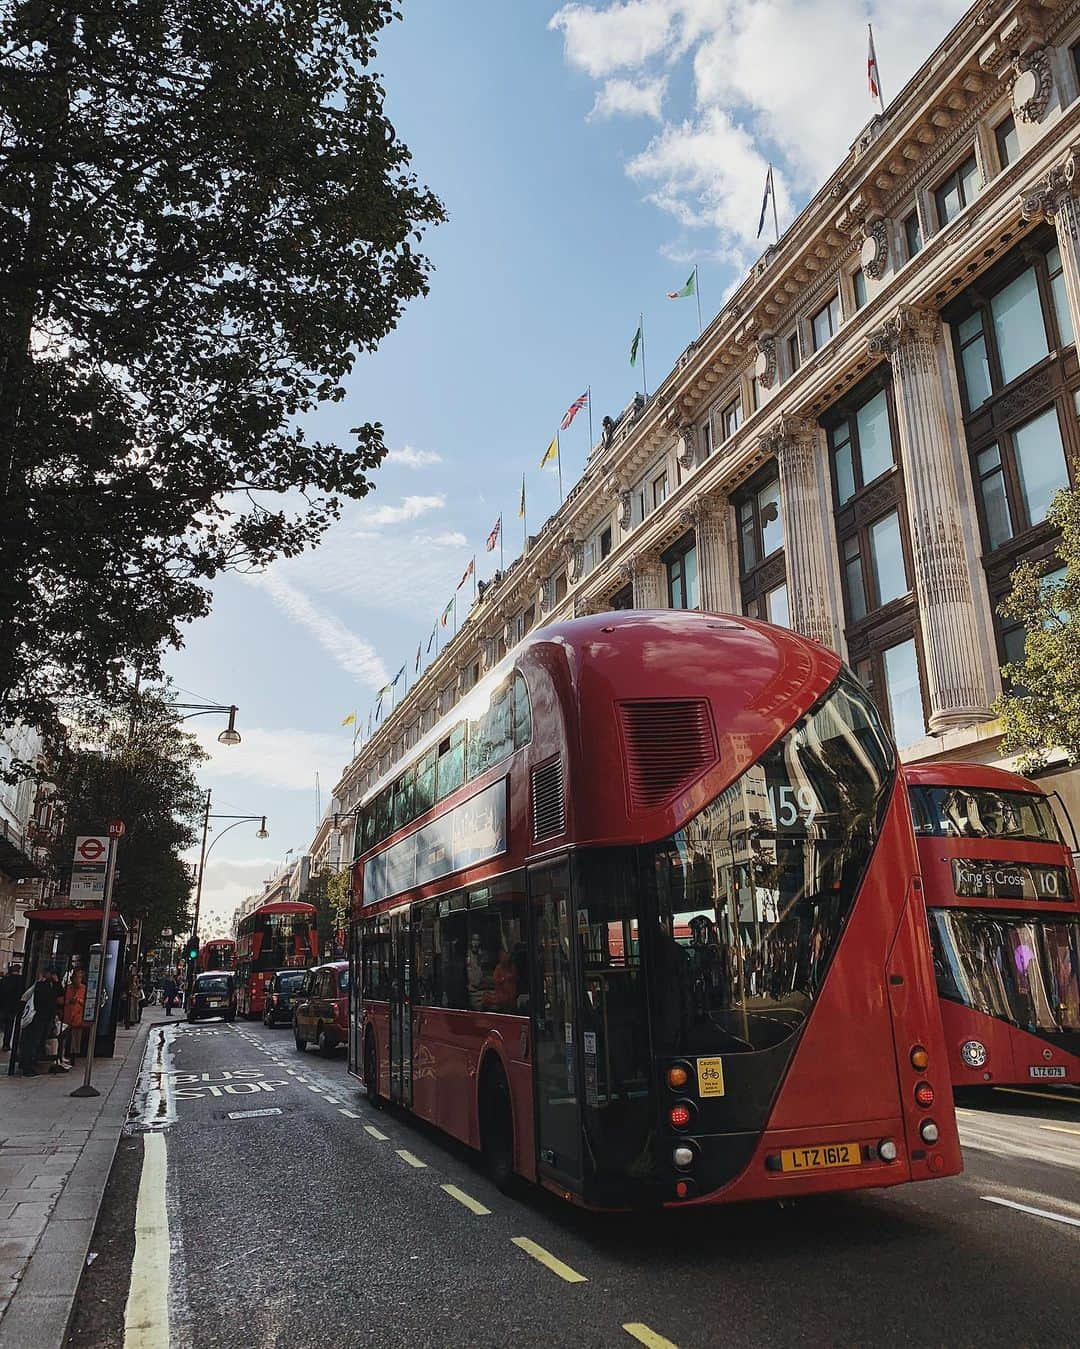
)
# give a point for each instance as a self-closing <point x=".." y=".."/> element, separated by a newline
<point x="688" y="289"/>
<point x="634" y="346"/>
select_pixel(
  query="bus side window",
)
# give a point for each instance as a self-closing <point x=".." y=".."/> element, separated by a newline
<point x="453" y="945"/>
<point x="450" y="769"/>
<point x="424" y="791"/>
<point x="522" y="712"/>
<point x="497" y="965"/>
<point x="426" y="986"/>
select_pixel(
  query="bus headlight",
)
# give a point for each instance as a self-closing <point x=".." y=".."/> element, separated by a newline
<point x="886" y="1150"/>
<point x="928" y="1131"/>
<point x="973" y="1052"/>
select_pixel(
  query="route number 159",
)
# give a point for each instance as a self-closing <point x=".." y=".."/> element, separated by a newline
<point x="792" y="805"/>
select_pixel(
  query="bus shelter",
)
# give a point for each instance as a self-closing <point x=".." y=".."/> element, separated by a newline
<point x="62" y="937"/>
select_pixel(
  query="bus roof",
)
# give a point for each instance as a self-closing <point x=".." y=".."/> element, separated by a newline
<point x="968" y="775"/>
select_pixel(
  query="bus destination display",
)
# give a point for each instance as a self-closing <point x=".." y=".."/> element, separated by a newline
<point x="979" y="878"/>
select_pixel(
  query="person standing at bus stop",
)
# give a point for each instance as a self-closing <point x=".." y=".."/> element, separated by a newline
<point x="168" y="991"/>
<point x="11" y="987"/>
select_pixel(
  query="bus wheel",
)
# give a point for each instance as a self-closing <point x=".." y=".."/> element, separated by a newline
<point x="497" y="1127"/>
<point x="371" y="1072"/>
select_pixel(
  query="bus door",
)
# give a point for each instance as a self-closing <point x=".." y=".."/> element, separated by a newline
<point x="400" y="1009"/>
<point x="558" y="1107"/>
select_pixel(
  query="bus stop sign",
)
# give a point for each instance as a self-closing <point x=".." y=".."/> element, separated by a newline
<point x="116" y="828"/>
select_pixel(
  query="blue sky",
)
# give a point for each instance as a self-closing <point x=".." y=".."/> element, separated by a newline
<point x="587" y="155"/>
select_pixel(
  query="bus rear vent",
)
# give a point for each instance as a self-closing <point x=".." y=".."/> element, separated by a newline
<point x="669" y="744"/>
<point x="548" y="801"/>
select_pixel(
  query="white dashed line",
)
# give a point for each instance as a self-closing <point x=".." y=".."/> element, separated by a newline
<point x="1037" y="1212"/>
<point x="349" y="1113"/>
<point x="376" y="1133"/>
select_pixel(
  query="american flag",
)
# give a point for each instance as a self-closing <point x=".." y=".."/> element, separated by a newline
<point x="493" y="537"/>
<point x="573" y="410"/>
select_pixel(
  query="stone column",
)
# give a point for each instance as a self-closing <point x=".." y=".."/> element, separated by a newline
<point x="646" y="573"/>
<point x="795" y="442"/>
<point x="952" y="658"/>
<point x="1054" y="198"/>
<point x="718" y="586"/>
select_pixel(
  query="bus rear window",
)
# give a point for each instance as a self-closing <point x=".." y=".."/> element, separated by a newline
<point x="978" y="812"/>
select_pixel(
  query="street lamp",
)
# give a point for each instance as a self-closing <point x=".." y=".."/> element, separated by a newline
<point x="204" y="852"/>
<point x="230" y="735"/>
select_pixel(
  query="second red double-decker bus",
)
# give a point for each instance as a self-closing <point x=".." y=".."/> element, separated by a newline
<point x="217" y="954"/>
<point x="1004" y="910"/>
<point x="276" y="936"/>
<point x="639" y="919"/>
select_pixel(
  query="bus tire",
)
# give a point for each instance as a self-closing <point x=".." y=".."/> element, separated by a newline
<point x="497" y="1125"/>
<point x="371" y="1071"/>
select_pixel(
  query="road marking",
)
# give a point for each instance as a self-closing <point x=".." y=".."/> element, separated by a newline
<point x="300" y="1079"/>
<point x="411" y="1158"/>
<point x="333" y="1100"/>
<point x="248" y="1114"/>
<point x="641" y="1332"/>
<point x="1060" y="1128"/>
<point x="1043" y="1095"/>
<point x="350" y="1113"/>
<point x="1038" y="1212"/>
<point x="317" y="1090"/>
<point x="146" y="1316"/>
<point x="473" y="1205"/>
<point x="375" y="1133"/>
<point x="551" y="1261"/>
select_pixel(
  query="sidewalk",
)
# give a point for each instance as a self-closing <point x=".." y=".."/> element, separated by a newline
<point x="55" y="1157"/>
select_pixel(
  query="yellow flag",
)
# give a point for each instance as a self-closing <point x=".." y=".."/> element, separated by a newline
<point x="551" y="451"/>
<point x="349" y="719"/>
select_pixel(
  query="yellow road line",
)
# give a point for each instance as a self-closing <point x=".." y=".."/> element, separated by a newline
<point x="146" y="1316"/>
<point x="411" y="1158"/>
<point x="551" y="1261"/>
<point x="375" y="1133"/>
<point x="641" y="1332"/>
<point x="1060" y="1129"/>
<point x="473" y="1205"/>
<point x="350" y="1114"/>
<point x="1044" y="1095"/>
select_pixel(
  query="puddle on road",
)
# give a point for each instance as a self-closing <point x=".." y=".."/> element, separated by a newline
<point x="153" y="1106"/>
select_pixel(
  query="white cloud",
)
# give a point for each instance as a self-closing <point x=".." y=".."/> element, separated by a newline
<point x="351" y="652"/>
<point x="411" y="508"/>
<point x="780" y="81"/>
<point x="449" y="538"/>
<point x="630" y="98"/>
<point x="410" y="458"/>
<point x="284" y="759"/>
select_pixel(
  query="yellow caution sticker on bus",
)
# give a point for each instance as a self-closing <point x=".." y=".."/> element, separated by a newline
<point x="710" y="1077"/>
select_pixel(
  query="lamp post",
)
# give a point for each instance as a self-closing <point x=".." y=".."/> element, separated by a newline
<point x="230" y="735"/>
<point x="204" y="851"/>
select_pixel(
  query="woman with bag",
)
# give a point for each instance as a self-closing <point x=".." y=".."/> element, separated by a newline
<point x="73" y="1016"/>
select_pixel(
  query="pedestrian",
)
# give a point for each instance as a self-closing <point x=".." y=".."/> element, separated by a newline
<point x="73" y="1016"/>
<point x="32" y="1037"/>
<point x="132" y="998"/>
<point x="168" y="988"/>
<point x="11" y="989"/>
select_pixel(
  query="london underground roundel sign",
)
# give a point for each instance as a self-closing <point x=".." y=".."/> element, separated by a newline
<point x="91" y="849"/>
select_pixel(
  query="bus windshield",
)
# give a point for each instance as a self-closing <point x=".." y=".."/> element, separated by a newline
<point x="1020" y="969"/>
<point x="752" y="895"/>
<point x="978" y="812"/>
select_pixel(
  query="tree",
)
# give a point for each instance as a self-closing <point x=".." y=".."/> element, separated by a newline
<point x="205" y="216"/>
<point x="328" y="891"/>
<point x="143" y="773"/>
<point x="1040" y="712"/>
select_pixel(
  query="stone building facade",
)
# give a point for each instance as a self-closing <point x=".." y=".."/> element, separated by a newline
<point x="865" y="440"/>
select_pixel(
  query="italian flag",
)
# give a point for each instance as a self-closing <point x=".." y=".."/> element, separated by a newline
<point x="688" y="289"/>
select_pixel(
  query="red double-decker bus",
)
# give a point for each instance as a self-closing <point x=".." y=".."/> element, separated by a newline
<point x="1004" y="911"/>
<point x="639" y="919"/>
<point x="276" y="936"/>
<point x="217" y="954"/>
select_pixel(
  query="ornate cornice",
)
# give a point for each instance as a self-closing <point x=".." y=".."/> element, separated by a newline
<point x="908" y="325"/>
<point x="1053" y="190"/>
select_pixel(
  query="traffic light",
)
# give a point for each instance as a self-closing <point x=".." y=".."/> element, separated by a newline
<point x="191" y="949"/>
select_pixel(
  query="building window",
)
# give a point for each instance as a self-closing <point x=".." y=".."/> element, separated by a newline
<point x="912" y="234"/>
<point x="1075" y="51"/>
<point x="1059" y="296"/>
<point x="1013" y="632"/>
<point x="858" y="287"/>
<point x="682" y="578"/>
<point x="622" y="599"/>
<point x="731" y="418"/>
<point x="757" y="396"/>
<point x="605" y="542"/>
<point x="560" y="587"/>
<point x="761" y="528"/>
<point x="825" y="322"/>
<point x="659" y="489"/>
<point x="903" y="692"/>
<point x="706" y="442"/>
<point x="1007" y="141"/>
<point x="862" y="446"/>
<point x="793" y="355"/>
<point x="1018" y="476"/>
<point x="874" y="566"/>
<point x="957" y="191"/>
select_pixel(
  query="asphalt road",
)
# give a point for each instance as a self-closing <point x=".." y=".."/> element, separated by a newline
<point x="328" y="1223"/>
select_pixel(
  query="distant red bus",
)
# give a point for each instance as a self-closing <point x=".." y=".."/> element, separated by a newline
<point x="219" y="954"/>
<point x="639" y="920"/>
<point x="274" y="937"/>
<point x="1004" y="910"/>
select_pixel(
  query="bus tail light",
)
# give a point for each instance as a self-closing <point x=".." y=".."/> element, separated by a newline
<point x="678" y="1075"/>
<point x="887" y="1150"/>
<point x="681" y="1114"/>
<point x="683" y="1156"/>
<point x="928" y="1131"/>
<point x="924" y="1095"/>
<point x="920" y="1059"/>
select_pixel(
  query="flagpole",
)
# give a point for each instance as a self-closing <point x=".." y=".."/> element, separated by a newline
<point x="474" y="578"/>
<point x="558" y="463"/>
<point x="772" y="193"/>
<point x="502" y="555"/>
<point x="697" y="296"/>
<point x="455" y="613"/>
<point x="644" y="379"/>
<point x="588" y="393"/>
